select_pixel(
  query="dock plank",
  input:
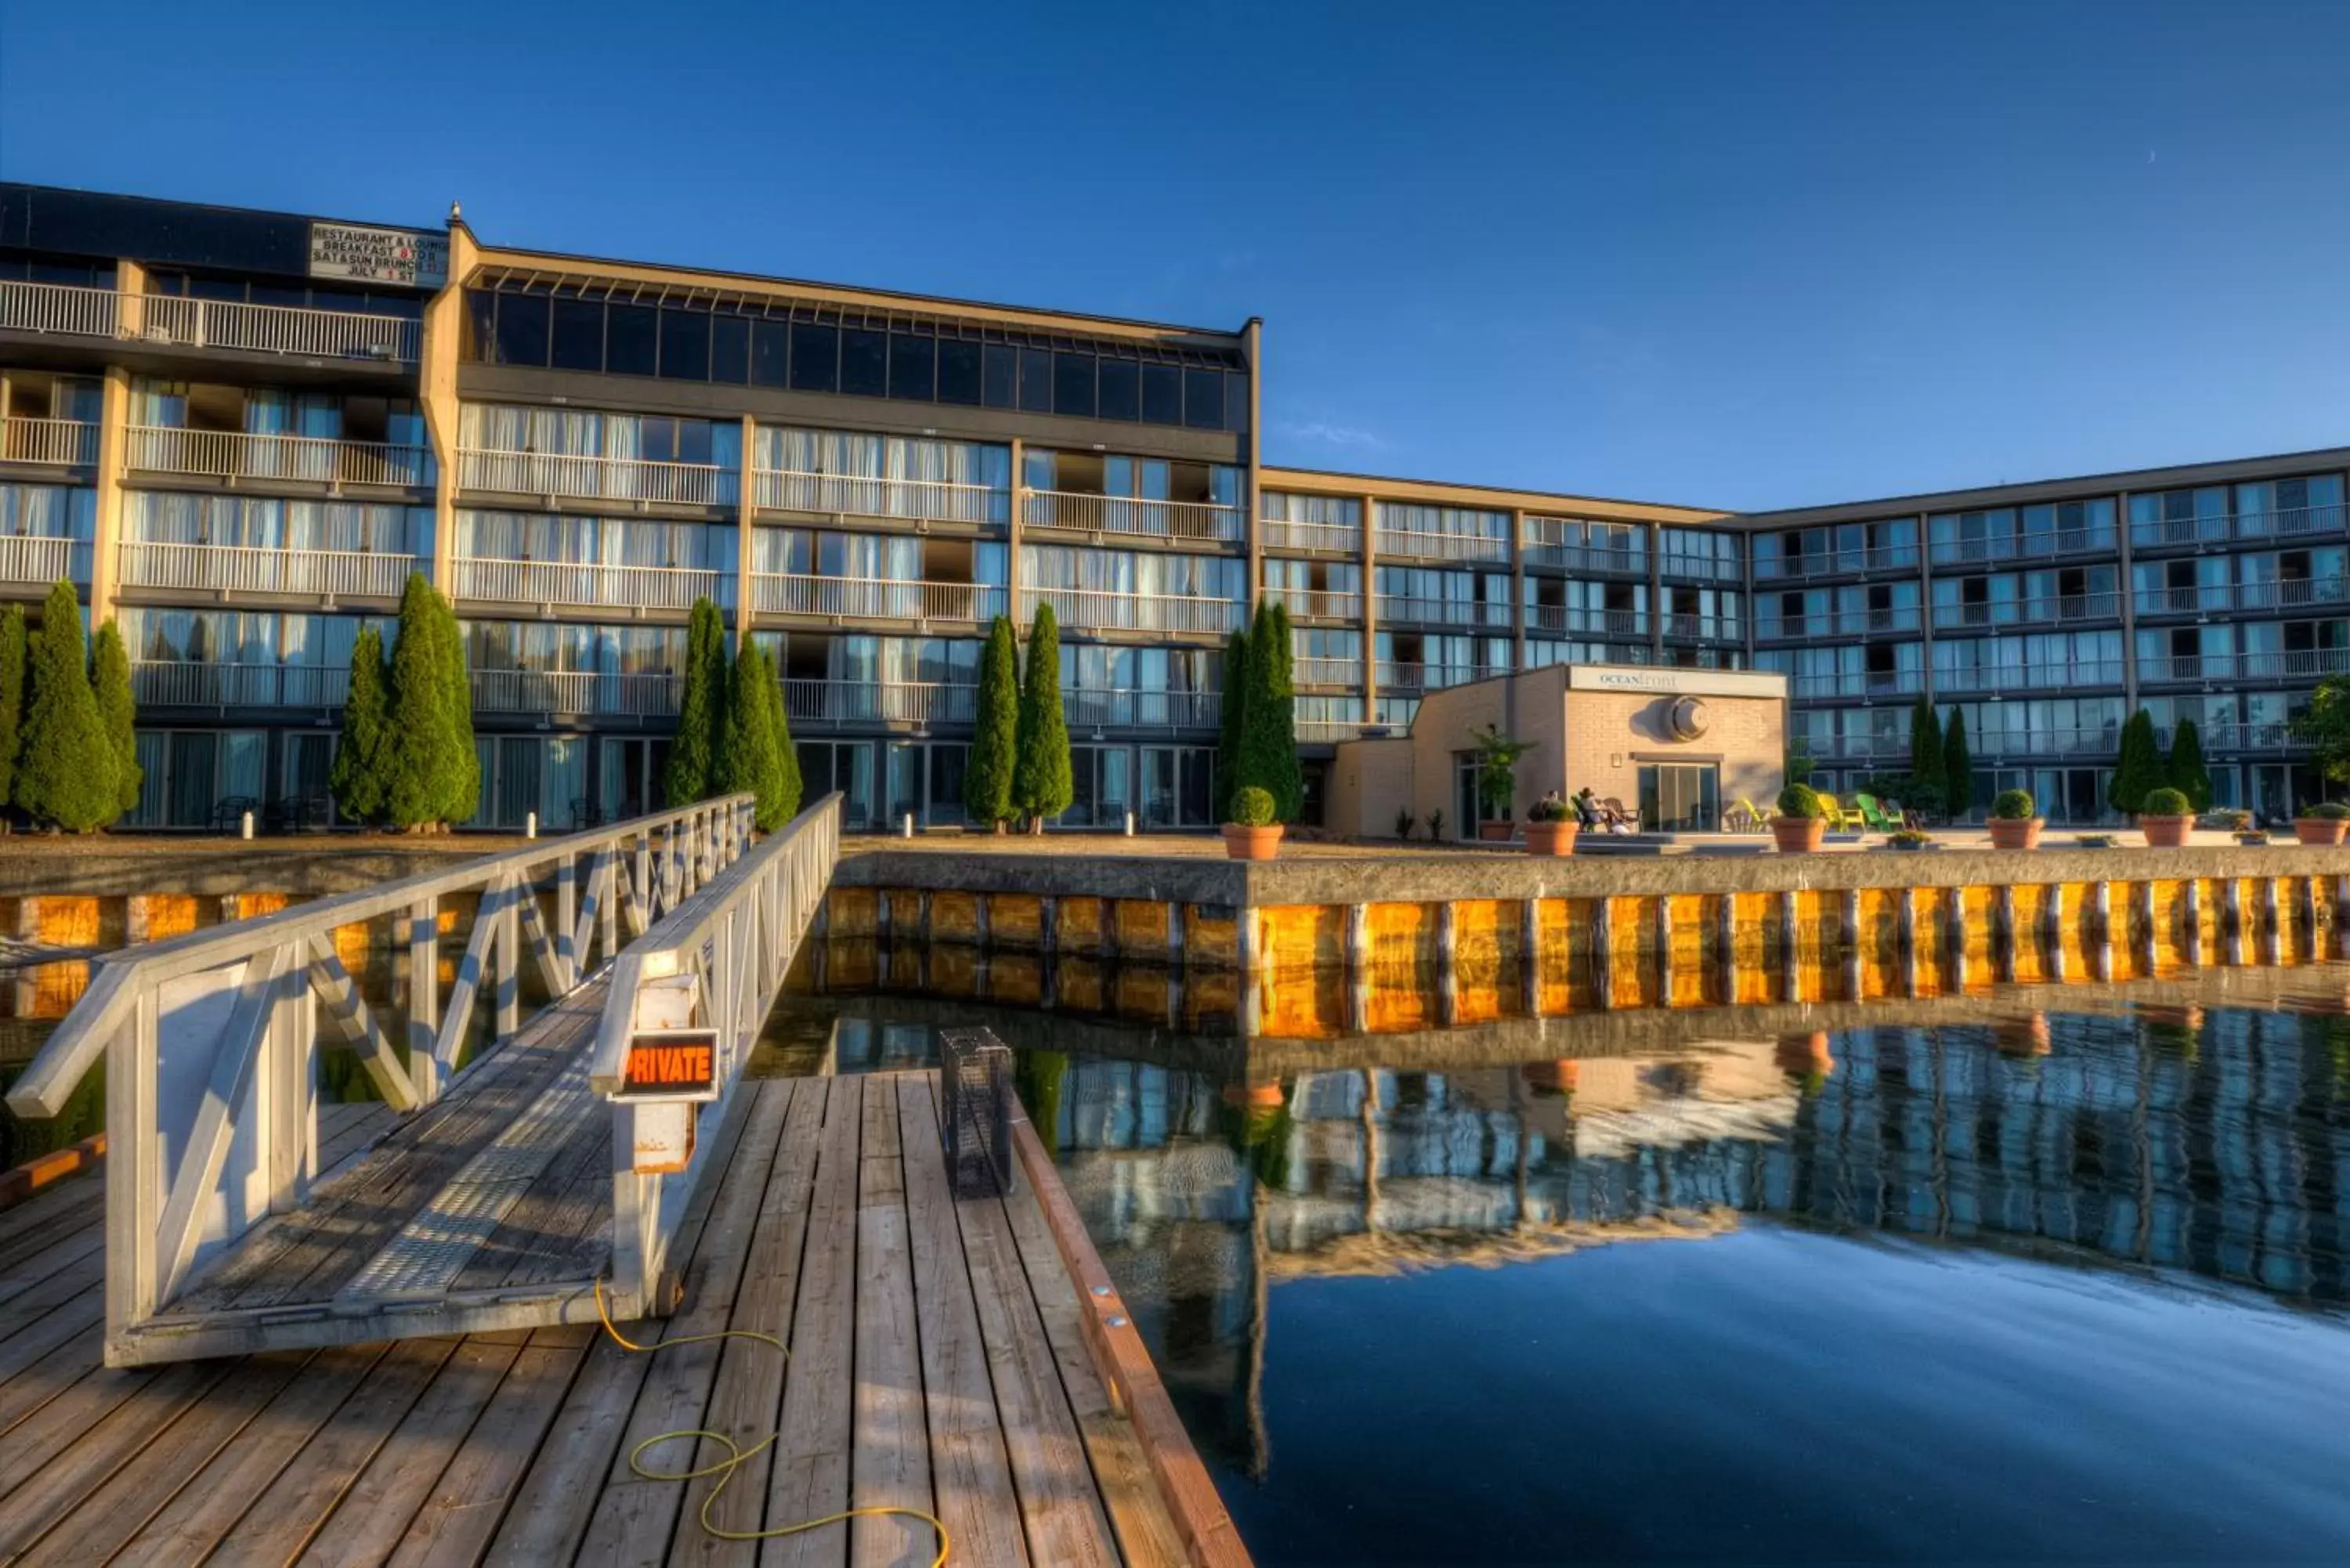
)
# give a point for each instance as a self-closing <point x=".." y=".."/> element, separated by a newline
<point x="88" y="1461"/>
<point x="890" y="1464"/>
<point x="452" y="1526"/>
<point x="810" y="1478"/>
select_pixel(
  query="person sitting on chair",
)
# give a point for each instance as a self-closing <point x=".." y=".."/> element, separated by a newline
<point x="1586" y="810"/>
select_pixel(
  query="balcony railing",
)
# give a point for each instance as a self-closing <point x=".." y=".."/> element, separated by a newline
<point x="1889" y="745"/>
<point x="1078" y="513"/>
<point x="2274" y="664"/>
<point x="2287" y="593"/>
<point x="1837" y="564"/>
<point x="247" y="568"/>
<point x="1094" y="611"/>
<point x="910" y="499"/>
<point x="2051" y="609"/>
<point x="190" y="683"/>
<point x="1306" y="670"/>
<point x="2024" y="547"/>
<point x="1586" y="559"/>
<point x="874" y="598"/>
<point x="1417" y="544"/>
<point x="574" y="691"/>
<point x="555" y="475"/>
<point x="1705" y="627"/>
<point x="1857" y="683"/>
<point x="1403" y="676"/>
<point x="38" y="558"/>
<point x="56" y="307"/>
<point x="2266" y="736"/>
<point x="1426" y="611"/>
<point x="179" y="322"/>
<point x="2079" y="743"/>
<point x="1135" y="710"/>
<point x="1701" y="568"/>
<point x="1316" y="604"/>
<point x="1834" y="623"/>
<point x="1327" y="729"/>
<point x="1279" y="534"/>
<point x="2214" y="527"/>
<point x="2032" y="677"/>
<point x="823" y="702"/>
<point x="313" y="460"/>
<point x="1571" y="618"/>
<point x="586" y="583"/>
<point x="59" y="443"/>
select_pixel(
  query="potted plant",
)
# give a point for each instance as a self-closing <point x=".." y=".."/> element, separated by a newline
<point x="1497" y="780"/>
<point x="2013" y="821"/>
<point x="1908" y="838"/>
<point x="2166" y="819"/>
<point x="1551" y="827"/>
<point x="1801" y="821"/>
<point x="2327" y="822"/>
<point x="1252" y="834"/>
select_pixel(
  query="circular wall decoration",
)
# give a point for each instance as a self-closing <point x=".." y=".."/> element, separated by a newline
<point x="1687" y="718"/>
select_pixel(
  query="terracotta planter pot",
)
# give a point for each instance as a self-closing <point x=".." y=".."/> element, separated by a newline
<point x="1496" y="831"/>
<point x="2016" y="832"/>
<point x="1799" y="835"/>
<point x="2321" y="829"/>
<point x="1550" y="837"/>
<point x="1252" y="843"/>
<point x="2166" y="832"/>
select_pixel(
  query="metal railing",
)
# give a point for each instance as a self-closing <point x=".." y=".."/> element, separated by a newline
<point x="2024" y="547"/>
<point x="192" y="683"/>
<point x="59" y="444"/>
<point x="1858" y="746"/>
<point x="736" y="937"/>
<point x="2267" y="736"/>
<point x="2048" y="610"/>
<point x="1834" y="623"/>
<point x="1706" y="628"/>
<point x="1094" y="611"/>
<point x="2212" y="527"/>
<point x="1084" y="514"/>
<point x="1402" y="675"/>
<point x="288" y="329"/>
<point x="1897" y="683"/>
<point x="59" y="309"/>
<point x="1837" y="564"/>
<point x="820" y="700"/>
<point x="1308" y="670"/>
<point x="1568" y="617"/>
<point x="43" y="559"/>
<point x="586" y="583"/>
<point x="310" y="460"/>
<point x="555" y="475"/>
<point x="1426" y="611"/>
<point x="1279" y="534"/>
<point x="2076" y="742"/>
<point x="875" y="598"/>
<point x="574" y="691"/>
<point x="2280" y="664"/>
<point x="1139" y="710"/>
<point x="1587" y="559"/>
<point x="1426" y="544"/>
<point x="2032" y="676"/>
<point x="896" y="500"/>
<point x="1701" y="568"/>
<point x="1329" y="729"/>
<point x="255" y="569"/>
<point x="1316" y="604"/>
<point x="211" y="1040"/>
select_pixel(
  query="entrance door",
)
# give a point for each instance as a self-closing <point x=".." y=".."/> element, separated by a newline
<point x="1680" y="797"/>
<point x="1159" y="786"/>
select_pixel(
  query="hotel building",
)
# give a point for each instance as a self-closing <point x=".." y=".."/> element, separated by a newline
<point x="237" y="433"/>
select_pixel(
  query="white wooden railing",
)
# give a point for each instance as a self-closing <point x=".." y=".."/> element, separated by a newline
<point x="191" y="684"/>
<point x="210" y="1040"/>
<point x="269" y="328"/>
<point x="850" y="496"/>
<point x="59" y="309"/>
<point x="1099" y="611"/>
<point x="736" y="937"/>
<point x="586" y="583"/>
<point x="574" y="691"/>
<point x="875" y="598"/>
<point x="257" y="570"/>
<point x="312" y="459"/>
<point x="40" y="558"/>
<point x="1084" y="514"/>
<point x="59" y="444"/>
<point x="597" y="478"/>
<point x="826" y="701"/>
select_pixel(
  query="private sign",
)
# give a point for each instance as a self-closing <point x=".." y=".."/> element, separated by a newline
<point x="671" y="1064"/>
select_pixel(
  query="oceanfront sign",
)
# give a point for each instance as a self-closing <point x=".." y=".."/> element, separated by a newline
<point x="1657" y="680"/>
<point x="401" y="257"/>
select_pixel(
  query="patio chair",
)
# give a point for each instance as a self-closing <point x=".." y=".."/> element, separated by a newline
<point x="1615" y="813"/>
<point x="1839" y="818"/>
<point x="1875" y="816"/>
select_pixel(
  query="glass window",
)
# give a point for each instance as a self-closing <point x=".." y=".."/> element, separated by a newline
<point x="1162" y="395"/>
<point x="1203" y="400"/>
<point x="522" y="329"/>
<point x="1236" y="402"/>
<point x="999" y="376"/>
<point x="481" y="326"/>
<point x="864" y="361"/>
<point x="579" y="334"/>
<point x="913" y="366"/>
<point x="1035" y="381"/>
<point x="684" y="345"/>
<point x="959" y="374"/>
<point x="730" y="348"/>
<point x="630" y="334"/>
<point x="1121" y="390"/>
<point x="1072" y="385"/>
<point x="770" y="354"/>
<point x="815" y="359"/>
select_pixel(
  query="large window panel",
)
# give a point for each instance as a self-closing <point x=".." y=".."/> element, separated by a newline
<point x="1035" y="381"/>
<point x="579" y="334"/>
<point x="1000" y="376"/>
<point x="632" y="335"/>
<point x="1203" y="400"/>
<point x="1072" y="385"/>
<point x="770" y="353"/>
<point x="913" y="368"/>
<point x="959" y="372"/>
<point x="1162" y="395"/>
<point x="864" y="362"/>
<point x="684" y="346"/>
<point x="815" y="359"/>
<point x="1121" y="390"/>
<point x="522" y="329"/>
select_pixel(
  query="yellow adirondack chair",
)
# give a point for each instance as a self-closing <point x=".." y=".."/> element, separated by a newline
<point x="1840" y="819"/>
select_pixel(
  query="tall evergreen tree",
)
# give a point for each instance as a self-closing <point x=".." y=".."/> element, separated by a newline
<point x="462" y="792"/>
<point x="357" y="778"/>
<point x="1233" y="724"/>
<point x="2139" y="769"/>
<point x="788" y="783"/>
<point x="118" y="710"/>
<point x="430" y="770"/>
<point x="1957" y="767"/>
<point x="12" y="697"/>
<point x="65" y="771"/>
<point x="1926" y="756"/>
<point x="1041" y="782"/>
<point x="2186" y="771"/>
<point x="700" y="711"/>
<point x="1268" y="732"/>
<point x="749" y="763"/>
<point x="995" y="745"/>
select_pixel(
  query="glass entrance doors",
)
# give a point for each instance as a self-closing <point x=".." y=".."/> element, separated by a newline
<point x="1680" y="797"/>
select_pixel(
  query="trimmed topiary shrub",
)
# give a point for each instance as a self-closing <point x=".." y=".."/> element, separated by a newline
<point x="2327" y="811"/>
<point x="1252" y="806"/>
<point x="2014" y="806"/>
<point x="1801" y="801"/>
<point x="2165" y="801"/>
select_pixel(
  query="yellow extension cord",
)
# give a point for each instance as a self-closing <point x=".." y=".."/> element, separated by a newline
<point x="724" y="1469"/>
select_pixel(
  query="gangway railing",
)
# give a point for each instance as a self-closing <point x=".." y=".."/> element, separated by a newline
<point x="209" y="1039"/>
<point x="734" y="942"/>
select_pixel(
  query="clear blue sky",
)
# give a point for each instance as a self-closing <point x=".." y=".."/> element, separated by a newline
<point x="1733" y="255"/>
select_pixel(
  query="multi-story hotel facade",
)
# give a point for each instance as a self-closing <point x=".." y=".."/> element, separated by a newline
<point x="238" y="433"/>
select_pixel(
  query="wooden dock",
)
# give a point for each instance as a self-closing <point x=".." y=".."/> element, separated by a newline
<point x="942" y="1359"/>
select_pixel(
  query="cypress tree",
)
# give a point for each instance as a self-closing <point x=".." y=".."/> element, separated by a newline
<point x="750" y="765"/>
<point x="65" y="771"/>
<point x="1233" y="725"/>
<point x="995" y="745"/>
<point x="356" y="779"/>
<point x="2186" y="771"/>
<point x="12" y="696"/>
<point x="1041" y="782"/>
<point x="1926" y="756"/>
<point x="431" y="768"/>
<point x="788" y="785"/>
<point x="461" y="796"/>
<point x="1269" y="727"/>
<point x="1957" y="767"/>
<point x="118" y="710"/>
<point x="693" y="759"/>
<point x="2139" y="769"/>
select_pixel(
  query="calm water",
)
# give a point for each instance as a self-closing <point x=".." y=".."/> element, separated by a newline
<point x="2031" y="1288"/>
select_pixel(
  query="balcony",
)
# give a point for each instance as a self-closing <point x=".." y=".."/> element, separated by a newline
<point x="1316" y="604"/>
<point x="1855" y="684"/>
<point x="1422" y="544"/>
<point x="2048" y="610"/>
<point x="1136" y="710"/>
<point x="890" y="500"/>
<point x="558" y="477"/>
<point x="2289" y="593"/>
<point x="1704" y="627"/>
<point x="2024" y="547"/>
<point x="574" y="691"/>
<point x="172" y="321"/>
<point x="1334" y="538"/>
<point x="1856" y="747"/>
<point x="1571" y="618"/>
<point x="52" y="443"/>
<point x="2215" y="527"/>
<point x="1701" y="569"/>
<point x="2035" y="678"/>
<point x="1423" y="611"/>
<point x="825" y="701"/>
<point x="2097" y="743"/>
<point x="586" y="583"/>
<point x="190" y="683"/>
<point x="2266" y="736"/>
<point x="873" y="598"/>
<point x="37" y="560"/>
<point x="1092" y="610"/>
<point x="1807" y="568"/>
<point x="1310" y="671"/>
<point x="252" y="569"/>
<point x="1326" y="731"/>
<point x="2271" y="664"/>
<point x="1595" y="559"/>
<point x="1130" y="516"/>
<point x="309" y="459"/>
<point x="1834" y="623"/>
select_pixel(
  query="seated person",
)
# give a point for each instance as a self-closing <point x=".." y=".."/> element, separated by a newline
<point x="1586" y="810"/>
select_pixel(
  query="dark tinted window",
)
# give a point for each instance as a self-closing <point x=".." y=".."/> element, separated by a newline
<point x="1162" y="395"/>
<point x="522" y="329"/>
<point x="685" y="345"/>
<point x="1203" y="400"/>
<point x="1072" y="384"/>
<point x="579" y="334"/>
<point x="864" y="361"/>
<point x="730" y="348"/>
<point x="630" y="331"/>
<point x="1236" y="401"/>
<point x="1000" y="377"/>
<point x="1121" y="390"/>
<point x="1035" y="380"/>
<point x="481" y="326"/>
<point x="769" y="354"/>
<point x="815" y="359"/>
<point x="958" y="371"/>
<point x="913" y="366"/>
